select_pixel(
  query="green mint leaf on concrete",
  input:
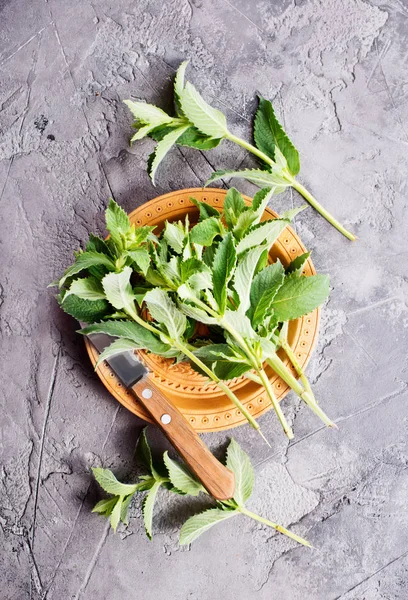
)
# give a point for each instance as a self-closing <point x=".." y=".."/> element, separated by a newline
<point x="222" y="269"/>
<point x="124" y="511"/>
<point x="263" y="290"/>
<point x="207" y="119"/>
<point x="238" y="462"/>
<point x="105" y="506"/>
<point x="115" y="514"/>
<point x="298" y="296"/>
<point x="118" y="290"/>
<point x="144" y="455"/>
<point x="179" y="87"/>
<point x="234" y="205"/>
<point x="84" y="260"/>
<point x="273" y="180"/>
<point x="180" y="478"/>
<point x="204" y="232"/>
<point x="291" y="213"/>
<point x="148" y="506"/>
<point x="202" y="522"/>
<point x="147" y="114"/>
<point x="193" y="138"/>
<point x="88" y="288"/>
<point x="164" y="311"/>
<point x="297" y="265"/>
<point x="162" y="148"/>
<point x="110" y="484"/>
<point x="142" y="259"/>
<point x="270" y="135"/>
<point x="85" y="310"/>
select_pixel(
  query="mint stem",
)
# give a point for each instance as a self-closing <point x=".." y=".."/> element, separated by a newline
<point x="275" y="526"/>
<point x="269" y="390"/>
<point x="283" y="341"/>
<point x="295" y="184"/>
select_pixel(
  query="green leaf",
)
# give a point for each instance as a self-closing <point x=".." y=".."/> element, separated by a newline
<point x="85" y="310"/>
<point x="84" y="260"/>
<point x="298" y="263"/>
<point x="206" y="210"/>
<point x="265" y="233"/>
<point x="142" y="259"/>
<point x="105" y="506"/>
<point x="139" y="335"/>
<point x="192" y="311"/>
<point x="88" y="288"/>
<point x="244" y="274"/>
<point x="291" y="213"/>
<point x="269" y="134"/>
<point x="202" y="522"/>
<point x="234" y="205"/>
<point x="263" y="290"/>
<point x="274" y="180"/>
<point x="144" y="453"/>
<point x="162" y="148"/>
<point x="115" y="514"/>
<point x="298" y="296"/>
<point x="174" y="235"/>
<point x="110" y="484"/>
<point x="207" y="119"/>
<point x="261" y="201"/>
<point x="193" y="138"/>
<point x="118" y="290"/>
<point x="181" y="478"/>
<point x="204" y="232"/>
<point x="148" y="113"/>
<point x="179" y="86"/>
<point x="125" y="509"/>
<point x="192" y="266"/>
<point x="117" y="347"/>
<point x="142" y="132"/>
<point x="222" y="269"/>
<point x="97" y="244"/>
<point x="147" y="508"/>
<point x="117" y="223"/>
<point x="165" y="312"/>
<point x="238" y="462"/>
<point x="245" y="220"/>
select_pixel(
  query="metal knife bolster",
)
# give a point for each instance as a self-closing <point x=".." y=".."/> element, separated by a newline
<point x="126" y="366"/>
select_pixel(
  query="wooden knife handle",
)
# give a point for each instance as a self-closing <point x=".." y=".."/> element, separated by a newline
<point x="215" y="477"/>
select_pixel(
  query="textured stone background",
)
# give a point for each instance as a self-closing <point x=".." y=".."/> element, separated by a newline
<point x="337" y="72"/>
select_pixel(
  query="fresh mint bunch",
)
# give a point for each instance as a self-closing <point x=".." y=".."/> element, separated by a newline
<point x="171" y="475"/>
<point x="199" y="125"/>
<point x="205" y="294"/>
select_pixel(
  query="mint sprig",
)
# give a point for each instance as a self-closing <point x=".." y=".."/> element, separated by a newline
<point x="201" y="126"/>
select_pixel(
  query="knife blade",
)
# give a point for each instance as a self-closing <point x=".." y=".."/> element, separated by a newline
<point x="214" y="476"/>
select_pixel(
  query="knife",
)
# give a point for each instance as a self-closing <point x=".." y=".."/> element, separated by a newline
<point x="214" y="476"/>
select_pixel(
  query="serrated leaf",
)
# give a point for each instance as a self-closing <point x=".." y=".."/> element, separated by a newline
<point x="299" y="296"/>
<point x="244" y="274"/>
<point x="117" y="223"/>
<point x="162" y="148"/>
<point x="298" y="263"/>
<point x="222" y="269"/>
<point x="238" y="462"/>
<point x="200" y="280"/>
<point x="261" y="201"/>
<point x="274" y="180"/>
<point x="84" y="260"/>
<point x="139" y="335"/>
<point x="263" y="290"/>
<point x="85" y="310"/>
<point x="230" y="370"/>
<point x="195" y="313"/>
<point x="174" y="235"/>
<point x="202" y="522"/>
<point x="245" y="220"/>
<point x="193" y="138"/>
<point x="204" y="232"/>
<point x="115" y="514"/>
<point x="118" y="290"/>
<point x="144" y="453"/>
<point x="240" y="323"/>
<point x="181" y="479"/>
<point x="291" y="213"/>
<point x="97" y="244"/>
<point x="147" y="508"/>
<point x="234" y="205"/>
<point x="192" y="266"/>
<point x="105" y="506"/>
<point x="142" y="132"/>
<point x="110" y="484"/>
<point x="269" y="134"/>
<point x="87" y="288"/>
<point x="207" y="119"/>
<point x="124" y="511"/>
<point x="206" y="210"/>
<point x="148" y="114"/>
<point x="117" y="347"/>
<point x="142" y="259"/>
<point x="265" y="233"/>
<point x="179" y="86"/>
<point x="165" y="312"/>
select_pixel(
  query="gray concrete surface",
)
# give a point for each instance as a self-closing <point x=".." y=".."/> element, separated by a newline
<point x="337" y="71"/>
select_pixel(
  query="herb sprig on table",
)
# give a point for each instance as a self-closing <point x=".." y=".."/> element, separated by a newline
<point x="205" y="294"/>
<point x="174" y="477"/>
<point x="198" y="125"/>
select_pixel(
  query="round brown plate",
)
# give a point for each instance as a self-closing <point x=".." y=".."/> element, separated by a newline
<point x="204" y="405"/>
